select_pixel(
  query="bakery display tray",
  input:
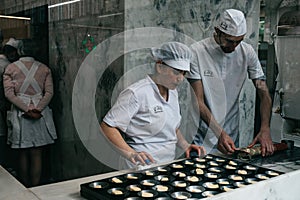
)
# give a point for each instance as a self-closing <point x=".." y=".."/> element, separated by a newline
<point x="186" y="179"/>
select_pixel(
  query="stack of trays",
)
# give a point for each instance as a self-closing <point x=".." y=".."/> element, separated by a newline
<point x="187" y="179"/>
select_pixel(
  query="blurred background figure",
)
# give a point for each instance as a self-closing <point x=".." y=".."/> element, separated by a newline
<point x="3" y="63"/>
<point x="11" y="50"/>
<point x="28" y="86"/>
<point x="1" y="39"/>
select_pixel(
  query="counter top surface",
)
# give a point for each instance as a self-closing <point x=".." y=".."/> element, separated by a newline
<point x="10" y="188"/>
<point x="67" y="189"/>
<point x="285" y="161"/>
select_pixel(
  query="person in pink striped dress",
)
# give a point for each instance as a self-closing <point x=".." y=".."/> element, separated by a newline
<point x="28" y="86"/>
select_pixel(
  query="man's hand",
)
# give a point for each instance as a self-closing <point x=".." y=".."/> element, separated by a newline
<point x="199" y="149"/>
<point x="226" y="144"/>
<point x="265" y="140"/>
<point x="264" y="136"/>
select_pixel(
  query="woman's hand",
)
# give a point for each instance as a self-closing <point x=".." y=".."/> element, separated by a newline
<point x="32" y="114"/>
<point x="36" y="114"/>
<point x="199" y="149"/>
<point x="142" y="157"/>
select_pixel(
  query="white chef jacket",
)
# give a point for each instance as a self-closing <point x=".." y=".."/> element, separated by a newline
<point x="223" y="76"/>
<point x="147" y="119"/>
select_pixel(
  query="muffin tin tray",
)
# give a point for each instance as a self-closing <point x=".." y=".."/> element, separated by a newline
<point x="190" y="178"/>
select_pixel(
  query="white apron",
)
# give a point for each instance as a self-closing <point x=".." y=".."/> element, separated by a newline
<point x="20" y="130"/>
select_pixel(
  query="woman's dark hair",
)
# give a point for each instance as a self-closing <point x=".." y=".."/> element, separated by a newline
<point x="8" y="49"/>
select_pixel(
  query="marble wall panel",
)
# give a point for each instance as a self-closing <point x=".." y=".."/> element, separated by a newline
<point x="67" y="55"/>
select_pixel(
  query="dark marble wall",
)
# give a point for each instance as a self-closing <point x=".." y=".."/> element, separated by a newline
<point x="68" y="44"/>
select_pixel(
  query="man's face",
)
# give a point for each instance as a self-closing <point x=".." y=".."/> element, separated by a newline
<point x="228" y="43"/>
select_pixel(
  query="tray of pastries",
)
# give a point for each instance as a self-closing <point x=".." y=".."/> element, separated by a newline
<point x="185" y="179"/>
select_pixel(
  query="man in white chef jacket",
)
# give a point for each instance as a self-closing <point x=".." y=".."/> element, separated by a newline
<point x="219" y="68"/>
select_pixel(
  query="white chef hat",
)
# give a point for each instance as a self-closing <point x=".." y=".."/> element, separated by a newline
<point x="233" y="22"/>
<point x="174" y="54"/>
<point x="17" y="44"/>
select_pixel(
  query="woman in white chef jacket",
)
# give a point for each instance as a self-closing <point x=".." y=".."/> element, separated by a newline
<point x="148" y="112"/>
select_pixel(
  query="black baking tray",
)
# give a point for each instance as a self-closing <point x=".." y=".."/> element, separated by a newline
<point x="182" y="177"/>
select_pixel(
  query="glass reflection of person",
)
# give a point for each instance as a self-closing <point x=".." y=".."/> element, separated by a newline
<point x="148" y="112"/>
<point x="29" y="88"/>
<point x="9" y="53"/>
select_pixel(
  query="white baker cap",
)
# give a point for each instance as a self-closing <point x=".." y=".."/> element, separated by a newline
<point x="13" y="42"/>
<point x="174" y="54"/>
<point x="233" y="22"/>
<point x="17" y="44"/>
